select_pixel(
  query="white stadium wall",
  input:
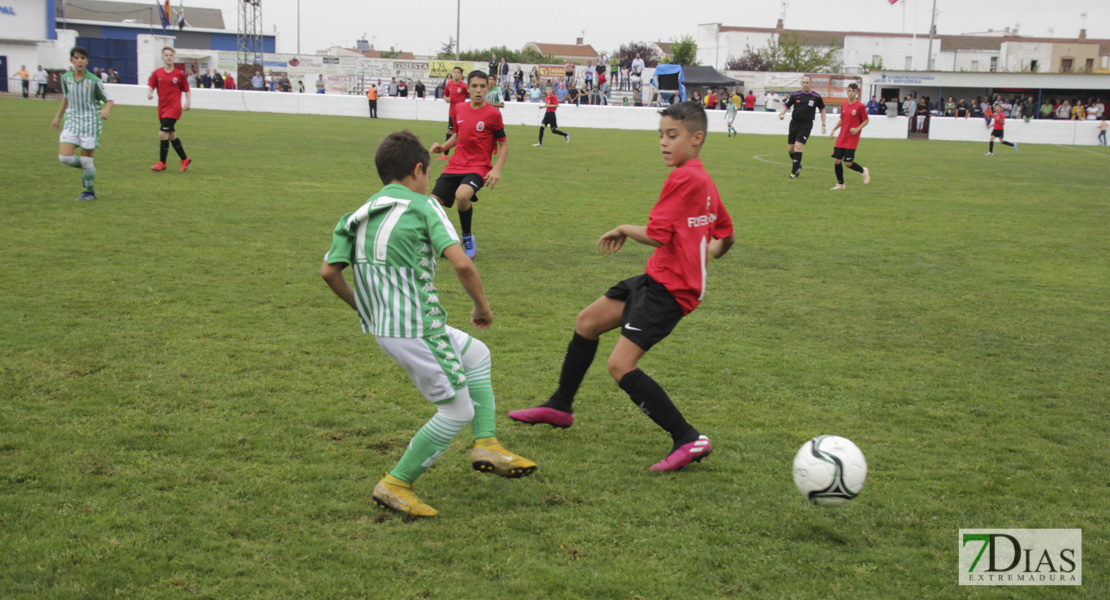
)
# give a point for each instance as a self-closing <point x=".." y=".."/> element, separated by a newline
<point x="598" y="117"/>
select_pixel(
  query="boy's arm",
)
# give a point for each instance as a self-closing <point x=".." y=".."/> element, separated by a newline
<point x="494" y="175"/>
<point x="104" y="112"/>
<point x="832" y="133"/>
<point x="613" y="240"/>
<point x="480" y="316"/>
<point x="865" y="123"/>
<point x="718" y="248"/>
<point x="58" y="117"/>
<point x="333" y="275"/>
<point x="188" y="99"/>
<point x="445" y="146"/>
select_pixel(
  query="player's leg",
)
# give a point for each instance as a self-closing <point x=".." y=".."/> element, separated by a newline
<point x="432" y="364"/>
<point x="990" y="147"/>
<point x="838" y="167"/>
<point x="650" y="316"/>
<point x="466" y="193"/>
<point x="165" y="127"/>
<point x="88" y="169"/>
<point x="487" y="455"/>
<point x="555" y="128"/>
<point x="67" y="148"/>
<point x="855" y="166"/>
<point x="450" y="132"/>
<point x="597" y="318"/>
<point x="797" y="156"/>
<point x="179" y="149"/>
<point x="540" y="141"/>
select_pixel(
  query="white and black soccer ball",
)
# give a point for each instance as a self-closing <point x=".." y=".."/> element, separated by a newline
<point x="830" y="470"/>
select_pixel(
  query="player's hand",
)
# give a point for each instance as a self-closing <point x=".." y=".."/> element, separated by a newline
<point x="185" y="106"/>
<point x="612" y="241"/>
<point x="104" y="115"/>
<point x="437" y="148"/>
<point x="481" y="317"/>
<point x="54" y="124"/>
<point x="782" y="116"/>
<point x="150" y="95"/>
<point x="822" y="128"/>
<point x="493" y="177"/>
<point x="854" y="130"/>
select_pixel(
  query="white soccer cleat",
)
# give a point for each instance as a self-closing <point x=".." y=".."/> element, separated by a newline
<point x="989" y="154"/>
<point x="839" y="186"/>
<point x="866" y="176"/>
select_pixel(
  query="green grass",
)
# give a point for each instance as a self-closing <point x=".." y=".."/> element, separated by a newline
<point x="186" y="411"/>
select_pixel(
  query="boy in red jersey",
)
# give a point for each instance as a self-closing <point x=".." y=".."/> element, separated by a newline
<point x="478" y="128"/>
<point x="686" y="226"/>
<point x="170" y="83"/>
<point x="455" y="93"/>
<point x="998" y="131"/>
<point x="853" y="118"/>
<point x="551" y="102"/>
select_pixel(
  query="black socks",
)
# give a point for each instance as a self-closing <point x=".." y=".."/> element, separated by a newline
<point x="654" y="402"/>
<point x="579" y="356"/>
<point x="465" y="218"/>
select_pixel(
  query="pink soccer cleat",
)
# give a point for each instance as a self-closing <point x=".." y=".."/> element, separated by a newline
<point x="543" y="415"/>
<point x="686" y="454"/>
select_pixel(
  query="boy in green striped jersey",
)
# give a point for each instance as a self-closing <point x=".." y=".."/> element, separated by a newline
<point x="82" y="95"/>
<point x="391" y="244"/>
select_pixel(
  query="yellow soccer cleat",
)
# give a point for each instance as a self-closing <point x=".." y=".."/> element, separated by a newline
<point x="488" y="456"/>
<point x="394" y="494"/>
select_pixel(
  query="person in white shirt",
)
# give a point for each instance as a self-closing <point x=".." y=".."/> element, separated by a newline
<point x="40" y="81"/>
<point x="638" y="66"/>
<point x="1093" y="114"/>
<point x="771" y="101"/>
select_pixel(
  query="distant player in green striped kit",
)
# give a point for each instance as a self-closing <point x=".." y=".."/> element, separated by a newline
<point x="391" y="244"/>
<point x="82" y="95"/>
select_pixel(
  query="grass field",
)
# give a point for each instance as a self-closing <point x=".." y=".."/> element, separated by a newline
<point x="186" y="411"/>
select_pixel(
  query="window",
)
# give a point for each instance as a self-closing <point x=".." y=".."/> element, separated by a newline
<point x="1065" y="65"/>
<point x="909" y="63"/>
<point x="876" y="59"/>
<point x="994" y="64"/>
<point x="1090" y="65"/>
<point x="974" y="65"/>
<point x="1033" y="66"/>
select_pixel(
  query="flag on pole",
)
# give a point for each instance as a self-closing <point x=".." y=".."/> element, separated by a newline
<point x="169" y="13"/>
<point x="162" y="15"/>
<point x="893" y="2"/>
<point x="180" y="14"/>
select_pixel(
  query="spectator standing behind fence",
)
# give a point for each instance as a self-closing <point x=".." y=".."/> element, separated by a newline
<point x="372" y="99"/>
<point x="217" y="80"/>
<point x="638" y="66"/>
<point x="24" y="80"/>
<point x="1064" y="110"/>
<point x="257" y="81"/>
<point x="518" y="77"/>
<point x="41" y="79"/>
<point x="320" y="84"/>
<point x="229" y="81"/>
<point x="626" y="72"/>
<point x="420" y="90"/>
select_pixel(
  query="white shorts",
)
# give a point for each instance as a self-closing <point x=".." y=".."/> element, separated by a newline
<point x="85" y="142"/>
<point x="433" y="363"/>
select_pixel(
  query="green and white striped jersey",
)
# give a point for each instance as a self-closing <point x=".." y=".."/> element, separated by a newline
<point x="84" y="100"/>
<point x="391" y="243"/>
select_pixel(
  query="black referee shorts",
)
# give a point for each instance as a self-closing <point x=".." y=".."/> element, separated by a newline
<point x="650" y="311"/>
<point x="799" y="131"/>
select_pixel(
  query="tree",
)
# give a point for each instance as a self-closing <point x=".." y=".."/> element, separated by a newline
<point x="683" y="51"/>
<point x="647" y="51"/>
<point x="529" y="56"/>
<point x="391" y="53"/>
<point x="868" y="67"/>
<point x="447" y="50"/>
<point x="788" y="53"/>
<point x="752" y="60"/>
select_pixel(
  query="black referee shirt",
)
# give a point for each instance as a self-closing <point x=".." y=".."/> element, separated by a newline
<point x="806" y="105"/>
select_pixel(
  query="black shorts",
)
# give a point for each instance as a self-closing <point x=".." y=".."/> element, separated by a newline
<point x="845" y="154"/>
<point x="450" y="123"/>
<point x="650" y="311"/>
<point x="549" y="119"/>
<point x="167" y="124"/>
<point x="998" y="133"/>
<point x="799" y="131"/>
<point x="448" y="183"/>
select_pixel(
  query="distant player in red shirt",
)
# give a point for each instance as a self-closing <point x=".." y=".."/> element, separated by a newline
<point x="998" y="131"/>
<point x="551" y="103"/>
<point x="455" y="93"/>
<point x="170" y="83"/>
<point x="853" y="118"/>
<point x="478" y="129"/>
<point x="686" y="226"/>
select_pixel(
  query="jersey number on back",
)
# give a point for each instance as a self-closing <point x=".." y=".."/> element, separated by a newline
<point x="397" y="207"/>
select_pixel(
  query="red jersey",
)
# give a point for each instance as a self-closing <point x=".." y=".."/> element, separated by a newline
<point x="478" y="130"/>
<point x="457" y="94"/>
<point x="688" y="214"/>
<point x="852" y="114"/>
<point x="549" y="100"/>
<point x="999" y="119"/>
<point x="170" y="86"/>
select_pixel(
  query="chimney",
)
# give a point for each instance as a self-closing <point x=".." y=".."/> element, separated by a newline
<point x="578" y="42"/>
<point x="1082" y="34"/>
<point x="778" y="25"/>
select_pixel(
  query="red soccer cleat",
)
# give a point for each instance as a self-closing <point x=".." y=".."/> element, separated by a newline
<point x="159" y="166"/>
<point x="185" y="163"/>
<point x="443" y="157"/>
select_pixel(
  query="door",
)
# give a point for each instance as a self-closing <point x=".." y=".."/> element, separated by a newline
<point x="3" y="73"/>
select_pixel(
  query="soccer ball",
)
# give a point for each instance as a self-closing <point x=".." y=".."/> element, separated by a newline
<point x="829" y="470"/>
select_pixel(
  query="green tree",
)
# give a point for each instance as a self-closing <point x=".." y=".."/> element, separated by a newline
<point x="529" y="56"/>
<point x="683" y="51"/>
<point x="447" y="50"/>
<point x="790" y="54"/>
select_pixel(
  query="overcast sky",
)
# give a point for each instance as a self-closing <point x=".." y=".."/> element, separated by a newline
<point x="422" y="26"/>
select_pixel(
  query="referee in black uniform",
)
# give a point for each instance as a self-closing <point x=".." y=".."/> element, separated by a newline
<point x="805" y="105"/>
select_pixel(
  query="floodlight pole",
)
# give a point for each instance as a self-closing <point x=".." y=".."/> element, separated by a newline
<point x="458" y="26"/>
<point x="932" y="29"/>
<point x="298" y="26"/>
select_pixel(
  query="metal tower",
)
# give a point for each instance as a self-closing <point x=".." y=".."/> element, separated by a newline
<point x="249" y="39"/>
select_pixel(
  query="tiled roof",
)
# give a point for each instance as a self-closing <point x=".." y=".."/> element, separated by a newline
<point x="585" y="51"/>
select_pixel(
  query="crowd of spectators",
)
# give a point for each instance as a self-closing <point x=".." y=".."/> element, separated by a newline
<point x="1014" y="107"/>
